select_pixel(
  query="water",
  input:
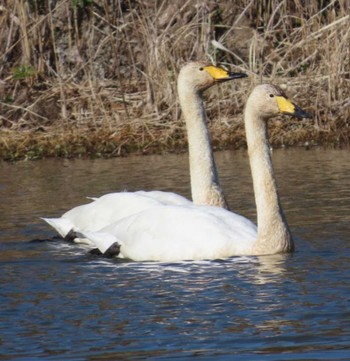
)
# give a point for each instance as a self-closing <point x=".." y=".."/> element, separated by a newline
<point x="60" y="303"/>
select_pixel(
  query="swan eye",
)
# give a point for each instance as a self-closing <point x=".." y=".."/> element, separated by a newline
<point x="201" y="69"/>
<point x="271" y="95"/>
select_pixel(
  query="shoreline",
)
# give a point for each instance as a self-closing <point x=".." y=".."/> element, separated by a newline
<point x="80" y="143"/>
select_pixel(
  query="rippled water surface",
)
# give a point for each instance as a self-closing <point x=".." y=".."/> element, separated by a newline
<point x="58" y="302"/>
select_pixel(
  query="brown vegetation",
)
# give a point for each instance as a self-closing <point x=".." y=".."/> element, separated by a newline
<point x="98" y="78"/>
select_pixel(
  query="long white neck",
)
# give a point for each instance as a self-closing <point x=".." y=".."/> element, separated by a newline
<point x="273" y="232"/>
<point x="205" y="185"/>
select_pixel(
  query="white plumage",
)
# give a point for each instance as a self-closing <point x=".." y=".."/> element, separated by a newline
<point x="110" y="208"/>
<point x="171" y="233"/>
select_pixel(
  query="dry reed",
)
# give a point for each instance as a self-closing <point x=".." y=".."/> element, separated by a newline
<point x="98" y="78"/>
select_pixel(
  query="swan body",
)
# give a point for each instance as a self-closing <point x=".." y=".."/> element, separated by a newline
<point x="172" y="233"/>
<point x="195" y="232"/>
<point x="109" y="208"/>
<point x="194" y="78"/>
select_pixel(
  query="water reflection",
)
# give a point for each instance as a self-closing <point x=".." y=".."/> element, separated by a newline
<point x="270" y="269"/>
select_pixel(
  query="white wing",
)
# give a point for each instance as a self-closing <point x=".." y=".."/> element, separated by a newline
<point x="173" y="233"/>
<point x="111" y="208"/>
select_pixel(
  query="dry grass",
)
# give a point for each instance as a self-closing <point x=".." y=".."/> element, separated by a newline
<point x="98" y="78"/>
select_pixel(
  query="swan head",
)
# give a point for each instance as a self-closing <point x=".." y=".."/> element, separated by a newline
<point x="270" y="100"/>
<point x="200" y="76"/>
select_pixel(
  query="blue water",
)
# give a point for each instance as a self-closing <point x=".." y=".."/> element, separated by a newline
<point x="60" y="303"/>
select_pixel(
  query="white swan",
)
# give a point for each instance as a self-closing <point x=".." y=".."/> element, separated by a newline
<point x="193" y="79"/>
<point x="190" y="232"/>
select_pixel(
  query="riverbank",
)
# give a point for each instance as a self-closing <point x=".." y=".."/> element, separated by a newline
<point x="98" y="79"/>
<point x="105" y="143"/>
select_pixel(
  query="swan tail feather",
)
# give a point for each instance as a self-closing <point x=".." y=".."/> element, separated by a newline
<point x="63" y="226"/>
<point x="107" y="243"/>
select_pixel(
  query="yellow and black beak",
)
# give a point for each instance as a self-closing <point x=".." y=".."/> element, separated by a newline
<point x="289" y="108"/>
<point x="221" y="75"/>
